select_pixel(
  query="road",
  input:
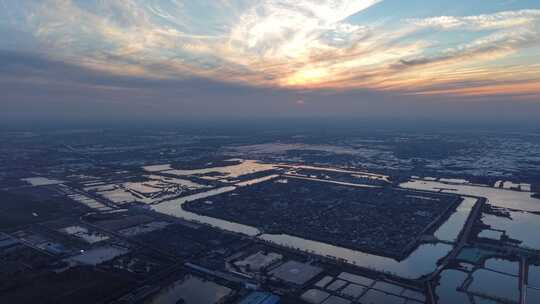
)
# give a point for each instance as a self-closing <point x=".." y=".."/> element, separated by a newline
<point x="523" y="271"/>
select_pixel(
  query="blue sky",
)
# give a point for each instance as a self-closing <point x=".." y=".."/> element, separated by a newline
<point x="268" y="56"/>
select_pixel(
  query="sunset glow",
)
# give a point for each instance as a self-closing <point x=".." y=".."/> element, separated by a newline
<point x="423" y="48"/>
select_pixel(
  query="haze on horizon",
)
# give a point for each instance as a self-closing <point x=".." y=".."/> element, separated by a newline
<point x="275" y="58"/>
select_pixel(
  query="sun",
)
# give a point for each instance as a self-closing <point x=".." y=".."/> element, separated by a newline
<point x="307" y="77"/>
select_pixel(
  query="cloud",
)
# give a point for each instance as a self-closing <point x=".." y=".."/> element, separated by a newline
<point x="304" y="44"/>
<point x="39" y="88"/>
<point x="488" y="48"/>
<point x="501" y="20"/>
<point x="287" y="29"/>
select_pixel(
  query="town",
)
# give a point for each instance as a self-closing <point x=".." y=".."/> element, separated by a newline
<point x="160" y="227"/>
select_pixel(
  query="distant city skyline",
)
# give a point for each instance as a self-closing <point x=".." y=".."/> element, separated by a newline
<point x="169" y="58"/>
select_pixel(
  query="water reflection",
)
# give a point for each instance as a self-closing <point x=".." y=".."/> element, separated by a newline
<point x="191" y="290"/>
<point x="421" y="262"/>
<point x="533" y="295"/>
<point x="447" y="291"/>
<point x="523" y="226"/>
<point x="450" y="230"/>
<point x="505" y="266"/>
<point x="534" y="276"/>
<point x="495" y="284"/>
<point x="497" y="197"/>
<point x="174" y="208"/>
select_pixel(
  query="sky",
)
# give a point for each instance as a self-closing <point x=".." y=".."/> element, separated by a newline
<point x="86" y="59"/>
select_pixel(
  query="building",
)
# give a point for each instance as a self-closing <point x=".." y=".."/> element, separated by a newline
<point x="296" y="273"/>
<point x="258" y="297"/>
